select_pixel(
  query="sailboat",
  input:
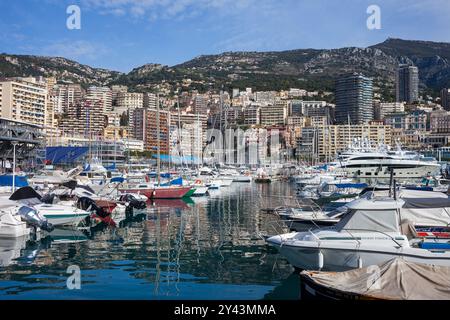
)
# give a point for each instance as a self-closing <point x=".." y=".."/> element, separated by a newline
<point x="151" y="190"/>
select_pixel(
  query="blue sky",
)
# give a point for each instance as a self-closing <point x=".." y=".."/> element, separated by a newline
<point x="123" y="34"/>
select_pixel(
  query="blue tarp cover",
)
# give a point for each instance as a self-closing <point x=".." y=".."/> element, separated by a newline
<point x="58" y="155"/>
<point x="175" y="182"/>
<point x="162" y="175"/>
<point x="7" y="181"/>
<point x="118" y="179"/>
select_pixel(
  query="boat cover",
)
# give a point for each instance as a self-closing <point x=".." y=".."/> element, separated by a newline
<point x="118" y="179"/>
<point x="369" y="220"/>
<point x="396" y="279"/>
<point x="72" y="184"/>
<point x="425" y="203"/>
<point x="433" y="217"/>
<point x="24" y="194"/>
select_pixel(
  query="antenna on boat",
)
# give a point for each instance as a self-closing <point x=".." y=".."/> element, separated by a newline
<point x="391" y="180"/>
<point x="395" y="189"/>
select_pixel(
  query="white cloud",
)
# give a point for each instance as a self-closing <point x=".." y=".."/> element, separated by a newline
<point x="166" y="9"/>
<point x="79" y="49"/>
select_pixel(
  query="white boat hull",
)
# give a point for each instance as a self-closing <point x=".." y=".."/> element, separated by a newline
<point x="200" y="191"/>
<point x="12" y="227"/>
<point x="374" y="171"/>
<point x="62" y="215"/>
<point x="242" y="179"/>
<point x="307" y="256"/>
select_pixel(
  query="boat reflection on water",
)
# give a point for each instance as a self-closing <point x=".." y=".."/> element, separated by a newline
<point x="10" y="250"/>
<point x="24" y="250"/>
<point x="171" y="203"/>
<point x="209" y="249"/>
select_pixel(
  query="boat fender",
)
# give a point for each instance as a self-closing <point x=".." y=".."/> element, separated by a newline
<point x="320" y="261"/>
<point x="360" y="263"/>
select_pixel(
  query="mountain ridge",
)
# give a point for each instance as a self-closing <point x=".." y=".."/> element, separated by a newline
<point x="314" y="69"/>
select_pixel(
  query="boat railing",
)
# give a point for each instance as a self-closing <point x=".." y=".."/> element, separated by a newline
<point x="371" y="230"/>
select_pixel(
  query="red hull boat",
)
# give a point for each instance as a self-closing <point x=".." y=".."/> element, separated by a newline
<point x="160" y="192"/>
<point x="169" y="192"/>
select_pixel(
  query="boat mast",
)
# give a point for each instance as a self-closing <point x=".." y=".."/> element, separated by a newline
<point x="179" y="132"/>
<point x="158" y="159"/>
<point x="199" y="146"/>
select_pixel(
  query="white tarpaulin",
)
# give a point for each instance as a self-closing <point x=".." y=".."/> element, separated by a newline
<point x="396" y="279"/>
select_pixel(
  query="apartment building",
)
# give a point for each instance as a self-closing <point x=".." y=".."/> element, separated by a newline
<point x="24" y="99"/>
<point x="146" y="129"/>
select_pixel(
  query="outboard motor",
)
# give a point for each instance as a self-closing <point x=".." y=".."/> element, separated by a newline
<point x="49" y="198"/>
<point x="32" y="217"/>
<point x="133" y="202"/>
<point x="88" y="204"/>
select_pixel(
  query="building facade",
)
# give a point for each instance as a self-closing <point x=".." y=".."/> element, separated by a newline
<point x="25" y="100"/>
<point x="103" y="94"/>
<point x="407" y="84"/>
<point x="354" y="95"/>
<point x="146" y="129"/>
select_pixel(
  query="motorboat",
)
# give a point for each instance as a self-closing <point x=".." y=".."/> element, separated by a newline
<point x="436" y="214"/>
<point x="262" y="176"/>
<point x="11" y="225"/>
<point x="54" y="177"/>
<point x="234" y="175"/>
<point x="336" y="189"/>
<point x="372" y="232"/>
<point x="200" y="188"/>
<point x="137" y="196"/>
<point x="56" y="214"/>
<point x="366" y="162"/>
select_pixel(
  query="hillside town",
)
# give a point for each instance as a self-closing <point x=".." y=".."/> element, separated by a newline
<point x="313" y="126"/>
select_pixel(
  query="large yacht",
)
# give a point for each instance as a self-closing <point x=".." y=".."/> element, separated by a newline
<point x="367" y="162"/>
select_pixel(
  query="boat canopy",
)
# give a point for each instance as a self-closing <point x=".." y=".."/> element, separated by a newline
<point x="24" y="194"/>
<point x="371" y="215"/>
<point x="398" y="279"/>
<point x="369" y="220"/>
<point x="426" y="211"/>
<point x="426" y="203"/>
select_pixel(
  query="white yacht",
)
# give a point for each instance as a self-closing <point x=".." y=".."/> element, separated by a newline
<point x="372" y="232"/>
<point x="364" y="161"/>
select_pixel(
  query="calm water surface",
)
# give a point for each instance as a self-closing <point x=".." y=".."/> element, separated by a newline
<point x="200" y="248"/>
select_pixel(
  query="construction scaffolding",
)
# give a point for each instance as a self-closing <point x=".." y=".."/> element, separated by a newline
<point x="29" y="141"/>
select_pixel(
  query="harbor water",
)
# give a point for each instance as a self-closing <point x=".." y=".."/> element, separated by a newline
<point x="198" y="248"/>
